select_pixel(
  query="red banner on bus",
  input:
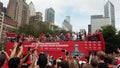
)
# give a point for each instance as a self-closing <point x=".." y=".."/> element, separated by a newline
<point x="54" y="48"/>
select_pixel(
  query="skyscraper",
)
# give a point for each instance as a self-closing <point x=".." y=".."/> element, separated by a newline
<point x="1" y="7"/>
<point x="12" y="9"/>
<point x="68" y="18"/>
<point x="38" y="16"/>
<point x="18" y="11"/>
<point x="97" y="21"/>
<point x="50" y="15"/>
<point x="109" y="11"/>
<point x="66" y="24"/>
<point x="32" y="9"/>
<point x="89" y="28"/>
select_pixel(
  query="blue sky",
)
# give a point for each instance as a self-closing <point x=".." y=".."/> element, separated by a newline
<point x="79" y="10"/>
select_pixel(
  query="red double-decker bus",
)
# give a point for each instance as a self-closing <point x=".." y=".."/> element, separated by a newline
<point x="81" y="48"/>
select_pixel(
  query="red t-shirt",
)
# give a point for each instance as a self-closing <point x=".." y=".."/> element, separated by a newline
<point x="41" y="36"/>
<point x="5" y="65"/>
<point x="110" y="66"/>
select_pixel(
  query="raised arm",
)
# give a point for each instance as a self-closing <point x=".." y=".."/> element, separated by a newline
<point x="24" y="58"/>
<point x="34" y="60"/>
<point x="13" y="53"/>
<point x="90" y="58"/>
<point x="20" y="51"/>
<point x="35" y="56"/>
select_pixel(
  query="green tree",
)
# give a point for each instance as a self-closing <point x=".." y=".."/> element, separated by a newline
<point x="109" y="34"/>
<point x="26" y="29"/>
<point x="118" y="38"/>
<point x="37" y="28"/>
<point x="42" y="27"/>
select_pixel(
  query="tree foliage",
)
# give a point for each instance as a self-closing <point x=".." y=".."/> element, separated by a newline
<point x="118" y="38"/>
<point x="37" y="28"/>
<point x="27" y="29"/>
<point x="111" y="38"/>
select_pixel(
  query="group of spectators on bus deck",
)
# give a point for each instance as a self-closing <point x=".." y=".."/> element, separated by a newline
<point x="39" y="60"/>
<point x="58" y="37"/>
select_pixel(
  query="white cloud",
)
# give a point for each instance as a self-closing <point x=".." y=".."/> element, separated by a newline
<point x="82" y="7"/>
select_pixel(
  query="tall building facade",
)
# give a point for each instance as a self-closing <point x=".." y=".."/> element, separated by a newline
<point x="49" y="15"/>
<point x="97" y="21"/>
<point x="1" y="23"/>
<point x="38" y="17"/>
<point x="6" y="23"/>
<point x="32" y="9"/>
<point x="66" y="24"/>
<point x="1" y="6"/>
<point x="18" y="10"/>
<point x="89" y="28"/>
<point x="68" y="18"/>
<point x="109" y="11"/>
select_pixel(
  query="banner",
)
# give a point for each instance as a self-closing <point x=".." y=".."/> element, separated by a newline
<point x="55" y="48"/>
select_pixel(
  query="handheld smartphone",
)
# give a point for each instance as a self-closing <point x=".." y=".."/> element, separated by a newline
<point x="20" y="43"/>
<point x="29" y="48"/>
<point x="33" y="50"/>
<point x="46" y="53"/>
<point x="67" y="53"/>
<point x="62" y="50"/>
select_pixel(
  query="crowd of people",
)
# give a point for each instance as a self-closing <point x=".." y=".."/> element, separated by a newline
<point x="33" y="59"/>
<point x="12" y="37"/>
